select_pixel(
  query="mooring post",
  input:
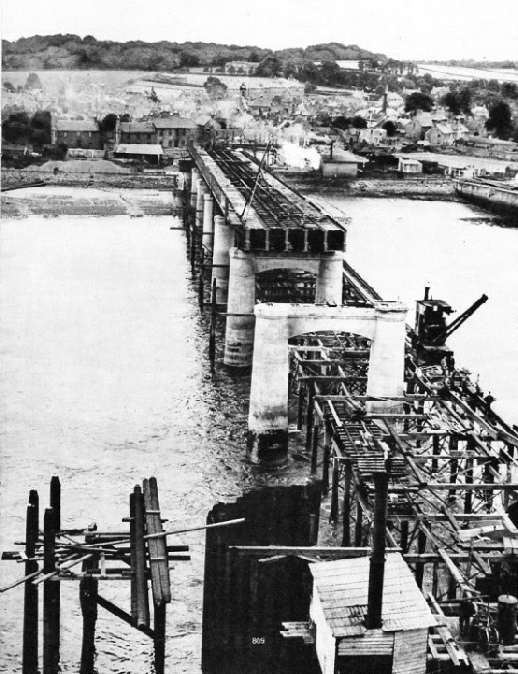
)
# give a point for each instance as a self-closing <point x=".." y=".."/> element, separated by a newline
<point x="55" y="501"/>
<point x="140" y="570"/>
<point x="212" y="329"/>
<point x="51" y="618"/>
<point x="88" y="591"/>
<point x="133" y="559"/>
<point x="159" y="637"/>
<point x="55" y="504"/>
<point x="30" y="614"/>
<point x="346" y="538"/>
<point x="333" y="517"/>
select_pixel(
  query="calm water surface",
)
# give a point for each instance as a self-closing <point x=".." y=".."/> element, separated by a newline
<point x="104" y="381"/>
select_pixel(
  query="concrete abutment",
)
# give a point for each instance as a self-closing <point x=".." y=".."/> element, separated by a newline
<point x="383" y="324"/>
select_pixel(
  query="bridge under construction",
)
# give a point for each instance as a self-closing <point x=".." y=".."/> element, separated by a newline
<point x="372" y="396"/>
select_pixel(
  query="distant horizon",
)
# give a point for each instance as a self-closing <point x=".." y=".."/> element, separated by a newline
<point x="449" y="30"/>
<point x="259" y="46"/>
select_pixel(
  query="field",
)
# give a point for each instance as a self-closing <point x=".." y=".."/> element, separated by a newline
<point x="112" y="80"/>
<point x="53" y="80"/>
<point x="448" y="73"/>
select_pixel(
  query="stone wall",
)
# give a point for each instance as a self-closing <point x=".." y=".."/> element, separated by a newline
<point x="138" y="180"/>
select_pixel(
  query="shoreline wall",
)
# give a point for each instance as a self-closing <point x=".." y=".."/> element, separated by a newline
<point x="164" y="181"/>
<point x="495" y="199"/>
<point x="423" y="188"/>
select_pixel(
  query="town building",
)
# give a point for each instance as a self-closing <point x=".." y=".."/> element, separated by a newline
<point x="418" y="126"/>
<point x="373" y="136"/>
<point x="151" y="153"/>
<point x="440" y="134"/>
<point x="407" y="166"/>
<point x="82" y="133"/>
<point x="174" y="131"/>
<point x="136" y="132"/>
<point x="341" y="163"/>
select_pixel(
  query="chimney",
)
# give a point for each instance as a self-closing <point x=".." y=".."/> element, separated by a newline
<point x="426" y="292"/>
<point x="377" y="560"/>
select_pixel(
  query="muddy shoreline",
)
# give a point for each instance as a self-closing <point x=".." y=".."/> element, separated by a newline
<point x="419" y="189"/>
<point x="152" y="194"/>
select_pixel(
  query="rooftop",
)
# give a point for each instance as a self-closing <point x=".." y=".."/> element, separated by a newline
<point x="137" y="127"/>
<point x="342" y="587"/>
<point x="139" y="148"/>
<point x="174" y="122"/>
<point x="76" y="125"/>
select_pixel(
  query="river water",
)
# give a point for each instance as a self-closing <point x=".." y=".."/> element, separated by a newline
<point x="400" y="246"/>
<point x="105" y="381"/>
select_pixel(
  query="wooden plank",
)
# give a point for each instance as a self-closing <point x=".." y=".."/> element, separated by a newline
<point x="158" y="556"/>
<point x="119" y="613"/>
<point x="455" y="652"/>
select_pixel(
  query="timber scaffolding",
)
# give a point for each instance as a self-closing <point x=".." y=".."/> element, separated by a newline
<point x="138" y="555"/>
<point x="452" y="472"/>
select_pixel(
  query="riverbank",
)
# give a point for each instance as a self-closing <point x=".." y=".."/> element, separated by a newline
<point x="426" y="188"/>
<point x="148" y="180"/>
<point x="52" y="201"/>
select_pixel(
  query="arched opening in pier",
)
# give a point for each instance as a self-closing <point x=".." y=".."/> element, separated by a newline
<point x="286" y="285"/>
<point x="327" y="363"/>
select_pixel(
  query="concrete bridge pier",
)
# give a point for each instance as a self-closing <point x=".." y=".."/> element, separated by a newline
<point x="195" y="176"/>
<point x="208" y="223"/>
<point x="239" y="335"/>
<point x="267" y="437"/>
<point x="330" y="280"/>
<point x="201" y="191"/>
<point x="223" y="242"/>
<point x="383" y="324"/>
<point x="387" y="357"/>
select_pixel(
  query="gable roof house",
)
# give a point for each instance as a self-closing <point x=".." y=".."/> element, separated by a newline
<point x="136" y="132"/>
<point x="260" y="106"/>
<point x="418" y="126"/>
<point x="76" y="133"/>
<point x="440" y="134"/>
<point x="339" y="610"/>
<point x="174" y="132"/>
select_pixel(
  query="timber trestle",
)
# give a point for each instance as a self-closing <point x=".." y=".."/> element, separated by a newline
<point x="452" y="477"/>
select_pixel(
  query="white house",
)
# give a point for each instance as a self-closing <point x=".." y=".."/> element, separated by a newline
<point x="406" y="165"/>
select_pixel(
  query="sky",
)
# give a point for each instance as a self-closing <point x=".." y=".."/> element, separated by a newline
<point x="401" y="29"/>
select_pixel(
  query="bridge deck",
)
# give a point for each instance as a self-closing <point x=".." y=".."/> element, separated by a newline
<point x="268" y="214"/>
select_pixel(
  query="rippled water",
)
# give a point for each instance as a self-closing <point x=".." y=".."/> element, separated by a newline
<point x="105" y="381"/>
